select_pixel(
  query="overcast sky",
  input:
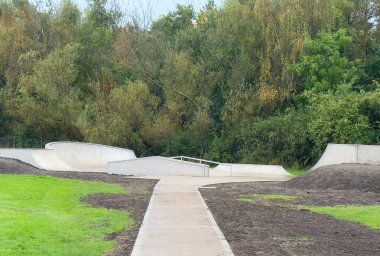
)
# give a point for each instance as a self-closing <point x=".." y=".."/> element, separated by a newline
<point x="148" y="9"/>
<point x="156" y="8"/>
<point x="161" y="7"/>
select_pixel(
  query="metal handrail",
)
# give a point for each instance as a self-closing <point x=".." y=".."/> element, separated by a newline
<point x="182" y="158"/>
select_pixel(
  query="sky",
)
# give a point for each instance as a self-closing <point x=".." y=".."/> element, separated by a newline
<point x="146" y="9"/>
<point x="162" y="7"/>
<point x="153" y="9"/>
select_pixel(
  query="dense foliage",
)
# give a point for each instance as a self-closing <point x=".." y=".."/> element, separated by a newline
<point x="267" y="81"/>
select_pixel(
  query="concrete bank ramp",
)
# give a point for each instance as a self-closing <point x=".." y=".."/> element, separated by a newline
<point x="89" y="156"/>
<point x="165" y="166"/>
<point x="250" y="170"/>
<point x="158" y="166"/>
<point x="349" y="154"/>
<point x="40" y="158"/>
<point x="70" y="156"/>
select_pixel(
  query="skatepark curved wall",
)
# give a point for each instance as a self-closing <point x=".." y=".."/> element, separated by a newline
<point x="70" y="156"/>
<point x="86" y="155"/>
<point x="349" y="154"/>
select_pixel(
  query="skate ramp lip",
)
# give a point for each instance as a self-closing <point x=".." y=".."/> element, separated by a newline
<point x="349" y="154"/>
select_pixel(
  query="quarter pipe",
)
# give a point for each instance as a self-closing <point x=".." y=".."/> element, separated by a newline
<point x="349" y="154"/>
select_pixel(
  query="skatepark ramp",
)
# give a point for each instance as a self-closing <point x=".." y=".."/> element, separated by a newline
<point x="70" y="156"/>
<point x="349" y="154"/>
<point x="78" y="156"/>
<point x="241" y="170"/>
<point x="158" y="166"/>
<point x="89" y="156"/>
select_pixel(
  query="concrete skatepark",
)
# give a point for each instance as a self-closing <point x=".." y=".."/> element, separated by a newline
<point x="77" y="156"/>
<point x="177" y="221"/>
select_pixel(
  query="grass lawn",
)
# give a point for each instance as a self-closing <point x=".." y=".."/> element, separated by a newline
<point x="367" y="215"/>
<point x="297" y="172"/>
<point x="42" y="215"/>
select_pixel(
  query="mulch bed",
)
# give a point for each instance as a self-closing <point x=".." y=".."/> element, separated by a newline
<point x="276" y="227"/>
<point x="135" y="202"/>
<point x="344" y="176"/>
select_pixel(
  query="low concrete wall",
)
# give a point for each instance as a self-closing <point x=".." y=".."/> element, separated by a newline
<point x="157" y="166"/>
<point x="250" y="170"/>
<point x="349" y="154"/>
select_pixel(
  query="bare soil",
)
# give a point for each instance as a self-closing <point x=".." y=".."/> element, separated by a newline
<point x="135" y="202"/>
<point x="277" y="227"/>
<point x="344" y="176"/>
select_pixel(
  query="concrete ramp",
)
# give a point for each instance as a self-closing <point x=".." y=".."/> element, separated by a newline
<point x="70" y="156"/>
<point x="89" y="156"/>
<point x="158" y="166"/>
<point x="47" y="159"/>
<point x="24" y="155"/>
<point x="276" y="172"/>
<point x="349" y="154"/>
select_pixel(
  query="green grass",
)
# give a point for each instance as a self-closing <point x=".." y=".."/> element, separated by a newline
<point x="367" y="215"/>
<point x="245" y="199"/>
<point x="297" y="172"/>
<point x="303" y="238"/>
<point x="251" y="197"/>
<point x="42" y="215"/>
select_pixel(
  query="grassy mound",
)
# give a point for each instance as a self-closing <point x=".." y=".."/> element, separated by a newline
<point x="340" y="177"/>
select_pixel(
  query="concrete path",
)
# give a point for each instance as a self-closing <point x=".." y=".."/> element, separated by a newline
<point x="178" y="222"/>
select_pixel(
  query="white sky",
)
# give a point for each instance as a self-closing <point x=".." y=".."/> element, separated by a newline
<point x="153" y="9"/>
<point x="145" y="9"/>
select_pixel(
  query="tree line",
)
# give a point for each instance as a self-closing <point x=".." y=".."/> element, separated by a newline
<point x="255" y="81"/>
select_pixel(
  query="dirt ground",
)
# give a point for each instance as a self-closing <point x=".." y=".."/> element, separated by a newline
<point x="276" y="227"/>
<point x="135" y="202"/>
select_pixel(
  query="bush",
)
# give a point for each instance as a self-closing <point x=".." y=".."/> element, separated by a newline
<point x="342" y="118"/>
<point x="281" y="139"/>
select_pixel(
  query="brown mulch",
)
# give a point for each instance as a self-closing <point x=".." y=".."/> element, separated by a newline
<point x="344" y="176"/>
<point x="276" y="227"/>
<point x="135" y="202"/>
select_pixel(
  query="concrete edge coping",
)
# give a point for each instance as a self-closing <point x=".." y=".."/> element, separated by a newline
<point x="83" y="143"/>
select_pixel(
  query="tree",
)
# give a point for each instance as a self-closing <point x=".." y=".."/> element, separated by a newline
<point x="46" y="103"/>
<point x="340" y="118"/>
<point x="121" y="117"/>
<point x="324" y="66"/>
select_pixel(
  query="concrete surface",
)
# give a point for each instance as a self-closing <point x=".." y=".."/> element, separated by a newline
<point x="348" y="154"/>
<point x="70" y="156"/>
<point x="148" y="166"/>
<point x="77" y="156"/>
<point x="25" y="155"/>
<point x="89" y="156"/>
<point x="156" y="165"/>
<point x="254" y="170"/>
<point x="178" y="222"/>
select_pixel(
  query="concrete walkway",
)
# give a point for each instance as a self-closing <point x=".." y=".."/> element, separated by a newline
<point x="178" y="222"/>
